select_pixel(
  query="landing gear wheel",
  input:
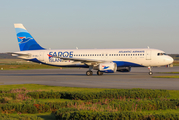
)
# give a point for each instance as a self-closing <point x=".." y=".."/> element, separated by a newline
<point x="150" y="73"/>
<point x="99" y="73"/>
<point x="88" y="73"/>
<point x="150" y="70"/>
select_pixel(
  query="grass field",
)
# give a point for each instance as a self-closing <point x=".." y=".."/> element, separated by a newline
<point x="32" y="87"/>
<point x="165" y="76"/>
<point x="176" y="63"/>
<point x="19" y="64"/>
<point x="169" y="72"/>
<point x="174" y="94"/>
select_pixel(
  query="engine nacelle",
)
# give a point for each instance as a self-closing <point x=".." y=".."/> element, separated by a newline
<point x="123" y="69"/>
<point x="108" y="67"/>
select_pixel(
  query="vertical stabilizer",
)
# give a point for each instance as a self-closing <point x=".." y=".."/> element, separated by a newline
<point x="25" y="40"/>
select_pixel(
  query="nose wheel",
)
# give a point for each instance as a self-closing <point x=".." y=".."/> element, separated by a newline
<point x="89" y="72"/>
<point x="150" y="71"/>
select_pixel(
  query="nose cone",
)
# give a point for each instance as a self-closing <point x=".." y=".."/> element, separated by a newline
<point x="169" y="60"/>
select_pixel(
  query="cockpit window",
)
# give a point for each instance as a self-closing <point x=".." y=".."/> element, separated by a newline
<point x="159" y="54"/>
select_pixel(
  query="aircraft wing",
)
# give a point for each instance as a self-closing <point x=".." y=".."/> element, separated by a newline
<point x="82" y="60"/>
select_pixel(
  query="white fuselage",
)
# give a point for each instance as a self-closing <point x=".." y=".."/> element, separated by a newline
<point x="122" y="57"/>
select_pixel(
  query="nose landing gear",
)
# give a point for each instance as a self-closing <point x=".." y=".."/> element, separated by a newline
<point x="150" y="70"/>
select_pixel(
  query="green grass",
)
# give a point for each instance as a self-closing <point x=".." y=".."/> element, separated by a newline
<point x="165" y="76"/>
<point x="161" y="111"/>
<point x="19" y="64"/>
<point x="26" y="66"/>
<point x="53" y="100"/>
<point x="50" y="116"/>
<point x="33" y="87"/>
<point x="176" y="63"/>
<point x="169" y="72"/>
<point x="174" y="94"/>
<point x="45" y="116"/>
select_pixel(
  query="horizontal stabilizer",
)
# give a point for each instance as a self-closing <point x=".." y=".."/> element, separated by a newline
<point x="19" y="54"/>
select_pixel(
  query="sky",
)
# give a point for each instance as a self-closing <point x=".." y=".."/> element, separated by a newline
<point x="67" y="24"/>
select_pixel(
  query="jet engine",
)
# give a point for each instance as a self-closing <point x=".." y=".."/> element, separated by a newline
<point x="108" y="67"/>
<point x="123" y="69"/>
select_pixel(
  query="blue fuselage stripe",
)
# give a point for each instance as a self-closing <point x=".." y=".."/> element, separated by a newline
<point x="119" y="64"/>
<point x="126" y="64"/>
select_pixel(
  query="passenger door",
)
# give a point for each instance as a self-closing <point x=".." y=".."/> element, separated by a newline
<point x="148" y="55"/>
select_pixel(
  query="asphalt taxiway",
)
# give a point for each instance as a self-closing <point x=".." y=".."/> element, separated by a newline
<point x="75" y="77"/>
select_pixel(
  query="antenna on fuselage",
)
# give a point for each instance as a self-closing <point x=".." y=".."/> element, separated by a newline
<point x="148" y="47"/>
<point x="77" y="48"/>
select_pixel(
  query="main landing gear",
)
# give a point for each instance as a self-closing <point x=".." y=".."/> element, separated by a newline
<point x="99" y="73"/>
<point x="150" y="70"/>
<point x="89" y="72"/>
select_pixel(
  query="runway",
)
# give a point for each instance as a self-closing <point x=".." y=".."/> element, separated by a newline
<point x="75" y="77"/>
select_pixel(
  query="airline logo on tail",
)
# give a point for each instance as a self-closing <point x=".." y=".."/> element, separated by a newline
<point x="24" y="39"/>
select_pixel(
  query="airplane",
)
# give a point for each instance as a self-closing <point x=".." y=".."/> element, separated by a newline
<point x="102" y="60"/>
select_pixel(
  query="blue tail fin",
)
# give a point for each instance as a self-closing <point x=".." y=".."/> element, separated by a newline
<point x="25" y="40"/>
